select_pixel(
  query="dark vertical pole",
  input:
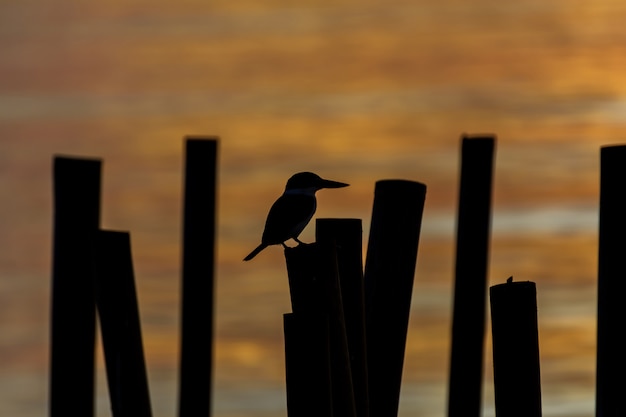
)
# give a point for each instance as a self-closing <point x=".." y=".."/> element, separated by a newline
<point x="347" y="237"/>
<point x="307" y="336"/>
<point x="116" y="299"/>
<point x="307" y="365"/>
<point x="516" y="376"/>
<point x="389" y="274"/>
<point x="314" y="267"/>
<point x="76" y="219"/>
<point x="198" y="277"/>
<point x="470" y="289"/>
<point x="611" y="345"/>
<point x="309" y="292"/>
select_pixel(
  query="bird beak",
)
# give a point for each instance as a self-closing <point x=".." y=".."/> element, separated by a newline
<point x="331" y="184"/>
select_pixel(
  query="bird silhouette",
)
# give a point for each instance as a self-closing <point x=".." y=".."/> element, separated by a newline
<point x="293" y="210"/>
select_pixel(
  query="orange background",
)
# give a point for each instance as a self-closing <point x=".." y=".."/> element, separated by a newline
<point x="355" y="91"/>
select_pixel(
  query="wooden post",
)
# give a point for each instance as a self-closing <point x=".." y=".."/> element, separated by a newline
<point x="198" y="277"/>
<point x="121" y="329"/>
<point x="314" y="267"/>
<point x="346" y="234"/>
<point x="72" y="349"/>
<point x="470" y="289"/>
<point x="517" y="385"/>
<point x="389" y="274"/>
<point x="611" y="345"/>
<point x="307" y="365"/>
<point x="309" y="292"/>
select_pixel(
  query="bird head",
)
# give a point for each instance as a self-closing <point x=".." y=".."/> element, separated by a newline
<point x="308" y="181"/>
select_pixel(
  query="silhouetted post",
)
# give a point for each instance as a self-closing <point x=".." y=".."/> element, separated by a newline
<point x="470" y="288"/>
<point x="76" y="219"/>
<point x="316" y="295"/>
<point x="116" y="299"/>
<point x="307" y="365"/>
<point x="347" y="237"/>
<point x="611" y="344"/>
<point x="198" y="261"/>
<point x="389" y="273"/>
<point x="517" y="385"/>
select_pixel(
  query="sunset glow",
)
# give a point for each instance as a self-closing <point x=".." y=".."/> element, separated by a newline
<point x="354" y="91"/>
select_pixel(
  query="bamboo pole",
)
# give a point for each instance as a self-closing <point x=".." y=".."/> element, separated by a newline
<point x="389" y="273"/>
<point x="116" y="299"/>
<point x="611" y="345"/>
<point x="76" y="195"/>
<point x="198" y="268"/>
<point x="470" y="289"/>
<point x="307" y="365"/>
<point x="314" y="267"/>
<point x="346" y="234"/>
<point x="516" y="376"/>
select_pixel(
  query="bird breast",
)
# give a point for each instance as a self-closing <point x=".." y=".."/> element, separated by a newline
<point x="288" y="217"/>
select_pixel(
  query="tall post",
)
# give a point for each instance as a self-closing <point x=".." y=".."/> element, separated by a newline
<point x="611" y="345"/>
<point x="470" y="289"/>
<point x="307" y="365"/>
<point x="516" y="376"/>
<point x="389" y="274"/>
<point x="116" y="299"/>
<point x="316" y="298"/>
<point x="347" y="234"/>
<point x="76" y="208"/>
<point x="200" y="185"/>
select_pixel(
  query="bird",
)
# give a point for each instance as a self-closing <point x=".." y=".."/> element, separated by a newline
<point x="293" y="210"/>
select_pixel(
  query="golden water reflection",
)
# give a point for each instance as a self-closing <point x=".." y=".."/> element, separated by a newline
<point x="356" y="91"/>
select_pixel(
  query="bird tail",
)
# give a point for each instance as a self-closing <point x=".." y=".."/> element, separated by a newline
<point x="255" y="252"/>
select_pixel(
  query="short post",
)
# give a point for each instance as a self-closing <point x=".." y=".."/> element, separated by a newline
<point x="389" y="274"/>
<point x="611" y="344"/>
<point x="347" y="234"/>
<point x="198" y="259"/>
<point x="470" y="288"/>
<point x="314" y="267"/>
<point x="116" y="299"/>
<point x="76" y="195"/>
<point x="517" y="385"/>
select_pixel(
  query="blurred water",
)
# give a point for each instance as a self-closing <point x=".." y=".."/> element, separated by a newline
<point x="355" y="92"/>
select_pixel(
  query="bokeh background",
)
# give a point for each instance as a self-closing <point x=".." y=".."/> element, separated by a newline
<point x="356" y="91"/>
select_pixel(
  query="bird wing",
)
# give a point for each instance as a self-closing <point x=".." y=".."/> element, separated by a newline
<point x="288" y="216"/>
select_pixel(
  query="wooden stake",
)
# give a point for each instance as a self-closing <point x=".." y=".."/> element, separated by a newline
<point x="470" y="289"/>
<point x="346" y="234"/>
<point x="389" y="274"/>
<point x="76" y="208"/>
<point x="307" y="365"/>
<point x="314" y="266"/>
<point x="611" y="345"/>
<point x="516" y="376"/>
<point x="196" y="361"/>
<point x="121" y="330"/>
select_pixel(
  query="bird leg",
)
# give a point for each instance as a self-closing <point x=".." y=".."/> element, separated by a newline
<point x="289" y="247"/>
